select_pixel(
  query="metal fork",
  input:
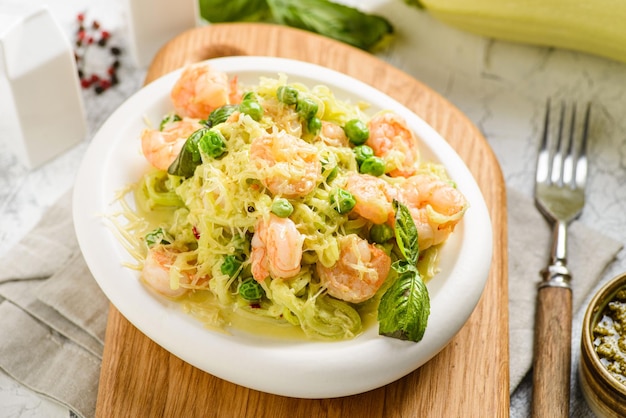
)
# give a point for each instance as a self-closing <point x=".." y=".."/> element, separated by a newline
<point x="560" y="196"/>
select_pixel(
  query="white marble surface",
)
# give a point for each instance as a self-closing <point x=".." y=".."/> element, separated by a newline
<point x="502" y="87"/>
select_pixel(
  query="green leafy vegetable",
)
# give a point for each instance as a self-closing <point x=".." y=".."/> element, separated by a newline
<point x="220" y="115"/>
<point x="158" y="236"/>
<point x="336" y="21"/>
<point x="211" y="143"/>
<point x="416" y="3"/>
<point x="343" y="23"/>
<point x="189" y="157"/>
<point x="229" y="11"/>
<point x="172" y="117"/>
<point x="406" y="233"/>
<point x="404" y="308"/>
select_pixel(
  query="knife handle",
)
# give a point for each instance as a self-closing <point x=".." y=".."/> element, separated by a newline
<point x="552" y="352"/>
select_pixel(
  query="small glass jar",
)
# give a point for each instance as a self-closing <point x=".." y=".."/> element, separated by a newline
<point x="604" y="393"/>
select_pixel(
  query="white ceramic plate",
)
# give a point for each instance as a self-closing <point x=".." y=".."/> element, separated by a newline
<point x="306" y="369"/>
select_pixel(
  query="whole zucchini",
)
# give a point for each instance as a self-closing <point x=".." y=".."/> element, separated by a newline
<point x="593" y="26"/>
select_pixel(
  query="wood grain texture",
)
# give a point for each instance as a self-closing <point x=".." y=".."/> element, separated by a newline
<point x="552" y="353"/>
<point x="468" y="378"/>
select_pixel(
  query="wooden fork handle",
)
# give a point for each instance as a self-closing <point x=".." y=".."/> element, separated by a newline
<point x="552" y="352"/>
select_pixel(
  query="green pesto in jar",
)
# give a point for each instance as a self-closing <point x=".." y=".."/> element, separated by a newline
<point x="610" y="336"/>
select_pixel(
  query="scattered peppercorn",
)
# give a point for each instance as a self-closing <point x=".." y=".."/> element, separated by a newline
<point x="88" y="35"/>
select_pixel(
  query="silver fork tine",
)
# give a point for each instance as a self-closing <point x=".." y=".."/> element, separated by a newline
<point x="543" y="159"/>
<point x="556" y="169"/>
<point x="560" y="196"/>
<point x="581" y="165"/>
<point x="568" y="163"/>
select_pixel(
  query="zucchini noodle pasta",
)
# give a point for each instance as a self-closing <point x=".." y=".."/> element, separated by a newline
<point x="274" y="204"/>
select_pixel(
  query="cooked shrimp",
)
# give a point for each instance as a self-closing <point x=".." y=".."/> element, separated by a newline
<point x="156" y="272"/>
<point x="201" y="89"/>
<point x="333" y="134"/>
<point x="360" y="271"/>
<point x="276" y="249"/>
<point x="435" y="205"/>
<point x="373" y="197"/>
<point x="394" y="142"/>
<point x="288" y="166"/>
<point x="162" y="147"/>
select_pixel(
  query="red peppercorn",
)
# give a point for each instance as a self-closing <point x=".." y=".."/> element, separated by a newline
<point x="90" y="34"/>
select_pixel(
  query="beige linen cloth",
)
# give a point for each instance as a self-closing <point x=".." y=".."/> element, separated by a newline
<point x="53" y="320"/>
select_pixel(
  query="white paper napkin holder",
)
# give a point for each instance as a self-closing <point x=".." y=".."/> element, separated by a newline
<point x="41" y="108"/>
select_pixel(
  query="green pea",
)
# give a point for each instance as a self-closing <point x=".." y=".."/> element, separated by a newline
<point x="220" y="115"/>
<point x="230" y="265"/>
<point x="158" y="236"/>
<point x="281" y="207"/>
<point x="373" y="165"/>
<point x="250" y="289"/>
<point x="356" y="131"/>
<point x="382" y="233"/>
<point x="306" y="107"/>
<point x="252" y="108"/>
<point x="362" y="152"/>
<point x="287" y="95"/>
<point x="314" y="125"/>
<point x="212" y="144"/>
<point x="168" y="119"/>
<point x="343" y="201"/>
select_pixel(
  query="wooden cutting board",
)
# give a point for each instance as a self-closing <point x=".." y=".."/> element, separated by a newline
<point x="468" y="378"/>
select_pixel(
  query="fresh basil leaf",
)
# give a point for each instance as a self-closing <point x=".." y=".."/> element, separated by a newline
<point x="220" y="115"/>
<point x="337" y="21"/>
<point x="189" y="157"/>
<point x="406" y="233"/>
<point x="158" y="236"/>
<point x="416" y="3"/>
<point x="233" y="10"/>
<point x="405" y="307"/>
<point x="171" y="118"/>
